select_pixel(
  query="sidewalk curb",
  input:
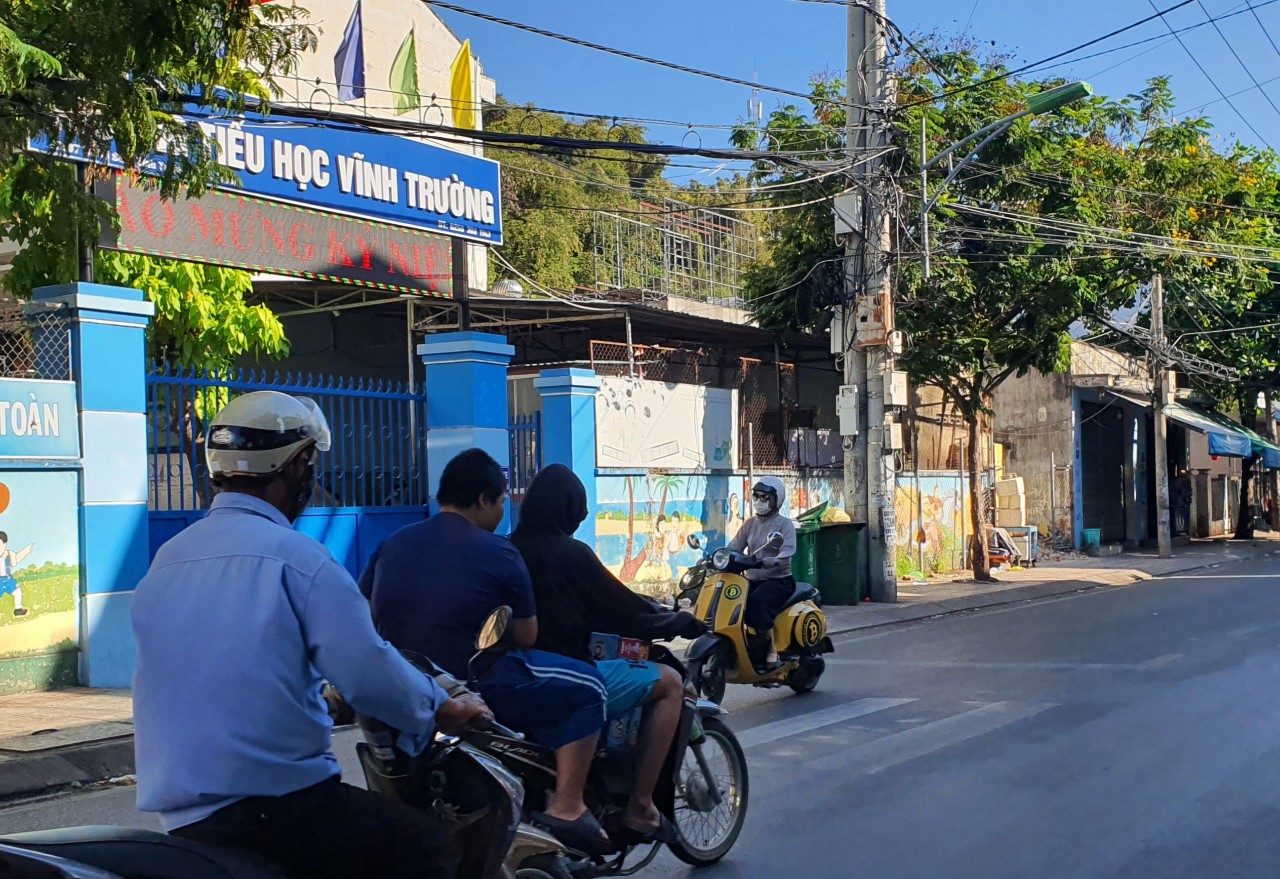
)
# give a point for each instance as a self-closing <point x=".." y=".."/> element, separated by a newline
<point x="46" y="772"/>
<point x="77" y="764"/>
<point x="1037" y="592"/>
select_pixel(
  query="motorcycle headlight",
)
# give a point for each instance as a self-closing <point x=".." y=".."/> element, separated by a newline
<point x="720" y="559"/>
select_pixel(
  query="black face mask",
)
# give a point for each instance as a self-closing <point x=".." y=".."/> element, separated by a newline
<point x="300" y="490"/>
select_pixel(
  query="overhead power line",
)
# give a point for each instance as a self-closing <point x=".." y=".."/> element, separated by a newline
<point x="1212" y="81"/>
<point x="329" y="118"/>
<point x="1239" y="60"/>
<point x="1043" y="61"/>
<point x="623" y="53"/>
<point x="1258" y="19"/>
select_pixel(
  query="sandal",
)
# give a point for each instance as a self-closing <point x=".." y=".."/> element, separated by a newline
<point x="625" y="834"/>
<point x="583" y="834"/>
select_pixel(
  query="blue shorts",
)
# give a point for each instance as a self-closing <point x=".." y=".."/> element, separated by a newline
<point x="551" y="698"/>
<point x="8" y="585"/>
<point x="628" y="683"/>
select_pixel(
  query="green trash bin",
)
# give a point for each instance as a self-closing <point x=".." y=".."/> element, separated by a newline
<point x="832" y="557"/>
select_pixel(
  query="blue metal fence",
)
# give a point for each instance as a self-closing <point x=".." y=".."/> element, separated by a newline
<point x="378" y="458"/>
<point x="525" y="438"/>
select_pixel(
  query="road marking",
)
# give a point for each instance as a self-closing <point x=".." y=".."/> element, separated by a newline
<point x="792" y="726"/>
<point x="888" y="751"/>
<point x="1222" y="576"/>
<point x="1047" y="665"/>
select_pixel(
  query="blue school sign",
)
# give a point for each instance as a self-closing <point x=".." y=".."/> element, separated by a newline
<point x="344" y="170"/>
<point x="38" y="419"/>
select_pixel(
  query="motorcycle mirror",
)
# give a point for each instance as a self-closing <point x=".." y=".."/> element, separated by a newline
<point x="775" y="540"/>
<point x="694" y="542"/>
<point x="494" y="629"/>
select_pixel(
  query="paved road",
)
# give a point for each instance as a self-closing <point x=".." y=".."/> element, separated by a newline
<point x="1126" y="733"/>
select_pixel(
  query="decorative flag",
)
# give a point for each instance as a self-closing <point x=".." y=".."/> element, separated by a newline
<point x="348" y="63"/>
<point x="462" y="90"/>
<point x="404" y="76"/>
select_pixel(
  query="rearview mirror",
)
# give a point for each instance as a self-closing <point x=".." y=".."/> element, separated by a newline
<point x="775" y="540"/>
<point x="494" y="629"/>
<point x="694" y="542"/>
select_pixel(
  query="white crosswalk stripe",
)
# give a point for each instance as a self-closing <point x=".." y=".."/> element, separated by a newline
<point x="781" y="729"/>
<point x="910" y="744"/>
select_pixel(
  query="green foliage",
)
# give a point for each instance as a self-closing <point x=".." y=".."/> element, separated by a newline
<point x="111" y="74"/>
<point x="551" y="197"/>
<point x="202" y="319"/>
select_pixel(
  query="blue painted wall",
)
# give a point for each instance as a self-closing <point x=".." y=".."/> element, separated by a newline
<point x="350" y="533"/>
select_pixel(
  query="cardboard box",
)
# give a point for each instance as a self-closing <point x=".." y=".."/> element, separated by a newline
<point x="604" y="647"/>
<point x="623" y="732"/>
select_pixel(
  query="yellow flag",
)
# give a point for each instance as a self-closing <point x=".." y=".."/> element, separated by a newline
<point x="462" y="90"/>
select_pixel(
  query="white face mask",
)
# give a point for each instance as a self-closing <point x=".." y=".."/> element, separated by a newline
<point x="762" y="508"/>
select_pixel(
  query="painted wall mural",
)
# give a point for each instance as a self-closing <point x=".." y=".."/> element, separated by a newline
<point x="643" y="521"/>
<point x="935" y="507"/>
<point x="39" y="578"/>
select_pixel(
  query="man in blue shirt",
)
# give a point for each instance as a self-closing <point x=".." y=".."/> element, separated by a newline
<point x="237" y="623"/>
<point x="433" y="584"/>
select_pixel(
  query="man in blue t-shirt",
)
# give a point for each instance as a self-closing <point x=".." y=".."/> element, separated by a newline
<point x="433" y="584"/>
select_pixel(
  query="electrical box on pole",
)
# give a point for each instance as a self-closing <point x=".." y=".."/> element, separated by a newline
<point x="897" y="392"/>
<point x="847" y="410"/>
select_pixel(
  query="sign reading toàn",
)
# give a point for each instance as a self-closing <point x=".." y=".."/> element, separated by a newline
<point x="228" y="229"/>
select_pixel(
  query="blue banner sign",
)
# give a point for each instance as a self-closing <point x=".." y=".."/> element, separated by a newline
<point x="347" y="171"/>
<point x="38" y="419"/>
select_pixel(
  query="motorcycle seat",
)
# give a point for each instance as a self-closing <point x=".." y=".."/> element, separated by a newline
<point x="144" y="854"/>
<point x="803" y="592"/>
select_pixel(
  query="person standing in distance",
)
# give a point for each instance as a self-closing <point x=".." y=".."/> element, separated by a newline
<point x="238" y="622"/>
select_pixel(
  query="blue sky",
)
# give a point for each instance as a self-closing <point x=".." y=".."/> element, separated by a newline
<point x="786" y="41"/>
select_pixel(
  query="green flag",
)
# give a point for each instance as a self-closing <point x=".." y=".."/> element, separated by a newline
<point x="404" y="76"/>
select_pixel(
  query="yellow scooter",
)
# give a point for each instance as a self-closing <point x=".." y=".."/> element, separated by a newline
<point x="722" y="655"/>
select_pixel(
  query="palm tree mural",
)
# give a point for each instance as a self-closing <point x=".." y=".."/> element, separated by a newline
<point x="668" y="483"/>
<point x="631" y="565"/>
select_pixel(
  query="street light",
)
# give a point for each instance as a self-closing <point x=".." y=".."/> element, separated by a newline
<point x="1037" y="105"/>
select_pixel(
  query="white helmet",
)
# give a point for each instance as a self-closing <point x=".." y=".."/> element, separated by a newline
<point x="258" y="433"/>
<point x="771" y="485"/>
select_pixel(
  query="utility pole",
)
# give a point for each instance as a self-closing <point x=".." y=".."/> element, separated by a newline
<point x="1160" y="385"/>
<point x="1273" y="484"/>
<point x="868" y="309"/>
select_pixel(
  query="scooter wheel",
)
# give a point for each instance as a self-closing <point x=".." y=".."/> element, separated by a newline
<point x="712" y="676"/>
<point x="805" y="678"/>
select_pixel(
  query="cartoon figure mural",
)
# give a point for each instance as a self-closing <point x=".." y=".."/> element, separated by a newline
<point x="39" y="579"/>
<point x="932" y="513"/>
<point x="9" y="561"/>
<point x="643" y="522"/>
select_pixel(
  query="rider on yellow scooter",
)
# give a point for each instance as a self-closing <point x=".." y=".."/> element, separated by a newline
<point x="772" y="584"/>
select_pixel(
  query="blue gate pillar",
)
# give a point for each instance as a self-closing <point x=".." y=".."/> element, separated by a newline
<point x="466" y="382"/>
<point x="108" y="364"/>
<point x="569" y="431"/>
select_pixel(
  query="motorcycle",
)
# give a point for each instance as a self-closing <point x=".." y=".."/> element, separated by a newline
<point x="703" y="790"/>
<point x="725" y="655"/>
<point x="478" y="800"/>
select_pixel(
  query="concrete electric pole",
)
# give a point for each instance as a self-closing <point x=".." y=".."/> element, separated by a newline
<point x="867" y="313"/>
<point x="1160" y="387"/>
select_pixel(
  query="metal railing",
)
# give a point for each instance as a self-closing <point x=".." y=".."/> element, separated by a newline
<point x="525" y="438"/>
<point x="378" y="457"/>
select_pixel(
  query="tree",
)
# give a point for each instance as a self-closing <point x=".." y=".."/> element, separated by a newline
<point x="110" y="76"/>
<point x="1063" y="217"/>
<point x="549" y="194"/>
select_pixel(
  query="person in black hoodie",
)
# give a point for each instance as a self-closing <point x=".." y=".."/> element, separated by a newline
<point x="577" y="595"/>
